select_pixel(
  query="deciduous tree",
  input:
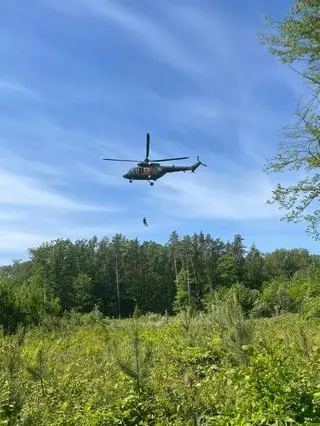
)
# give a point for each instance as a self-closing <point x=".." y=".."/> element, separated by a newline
<point x="295" y="40"/>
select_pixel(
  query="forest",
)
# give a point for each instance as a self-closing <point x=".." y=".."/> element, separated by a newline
<point x="118" y="276"/>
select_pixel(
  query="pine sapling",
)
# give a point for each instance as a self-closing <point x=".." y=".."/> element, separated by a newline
<point x="138" y="365"/>
<point x="39" y="371"/>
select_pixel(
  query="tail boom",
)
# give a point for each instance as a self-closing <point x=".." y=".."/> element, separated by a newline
<point x="194" y="167"/>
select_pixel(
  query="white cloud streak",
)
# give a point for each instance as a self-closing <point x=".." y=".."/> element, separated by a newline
<point x="32" y="211"/>
<point x="197" y="42"/>
<point x="235" y="196"/>
<point x="158" y="40"/>
<point x="15" y="240"/>
<point x="9" y="86"/>
<point x="22" y="190"/>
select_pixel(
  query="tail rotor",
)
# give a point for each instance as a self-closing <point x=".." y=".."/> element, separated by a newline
<point x="200" y="162"/>
<point x="197" y="164"/>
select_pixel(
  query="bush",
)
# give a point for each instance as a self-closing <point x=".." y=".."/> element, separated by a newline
<point x="310" y="308"/>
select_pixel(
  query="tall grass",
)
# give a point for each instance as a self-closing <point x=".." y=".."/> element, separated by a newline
<point x="217" y="368"/>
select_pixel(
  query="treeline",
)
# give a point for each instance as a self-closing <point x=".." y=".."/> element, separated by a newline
<point x="119" y="275"/>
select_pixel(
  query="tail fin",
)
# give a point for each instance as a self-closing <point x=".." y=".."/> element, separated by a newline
<point x="197" y="164"/>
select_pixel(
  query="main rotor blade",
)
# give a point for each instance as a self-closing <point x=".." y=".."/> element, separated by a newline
<point x="117" y="159"/>
<point x="147" y="146"/>
<point x="170" y="159"/>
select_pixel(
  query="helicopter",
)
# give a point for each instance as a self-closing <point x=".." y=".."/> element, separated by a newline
<point x="152" y="170"/>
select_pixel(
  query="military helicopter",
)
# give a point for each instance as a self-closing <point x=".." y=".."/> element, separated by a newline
<point x="152" y="170"/>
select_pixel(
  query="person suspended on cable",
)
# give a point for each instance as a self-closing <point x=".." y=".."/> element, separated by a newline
<point x="145" y="222"/>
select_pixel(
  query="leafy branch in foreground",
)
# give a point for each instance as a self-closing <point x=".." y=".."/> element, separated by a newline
<point x="300" y="151"/>
<point x="296" y="40"/>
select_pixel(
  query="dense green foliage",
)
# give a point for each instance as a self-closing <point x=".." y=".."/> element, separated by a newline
<point x="295" y="40"/>
<point x="118" y="275"/>
<point x="216" y="368"/>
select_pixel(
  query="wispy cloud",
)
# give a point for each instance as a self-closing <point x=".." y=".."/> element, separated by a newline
<point x="159" y="42"/>
<point x="205" y="45"/>
<point x="98" y="177"/>
<point x="33" y="210"/>
<point x="13" y="241"/>
<point x="200" y="42"/>
<point x="9" y="86"/>
<point x="23" y="190"/>
<point x="237" y="195"/>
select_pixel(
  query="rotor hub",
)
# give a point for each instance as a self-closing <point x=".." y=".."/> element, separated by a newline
<point x="146" y="162"/>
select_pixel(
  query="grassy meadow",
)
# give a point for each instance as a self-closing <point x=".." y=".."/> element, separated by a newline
<point x="214" y="368"/>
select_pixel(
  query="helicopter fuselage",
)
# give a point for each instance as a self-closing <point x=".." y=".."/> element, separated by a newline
<point x="152" y="172"/>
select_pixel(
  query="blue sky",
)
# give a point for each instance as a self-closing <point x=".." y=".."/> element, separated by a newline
<point x="85" y="79"/>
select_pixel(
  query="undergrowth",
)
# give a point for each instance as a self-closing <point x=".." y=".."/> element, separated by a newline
<point x="217" y="368"/>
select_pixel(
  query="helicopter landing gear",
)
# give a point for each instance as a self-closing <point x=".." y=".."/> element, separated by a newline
<point x="151" y="183"/>
<point x="130" y="181"/>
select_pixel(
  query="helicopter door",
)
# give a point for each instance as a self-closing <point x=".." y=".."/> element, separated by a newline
<point x="140" y="171"/>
